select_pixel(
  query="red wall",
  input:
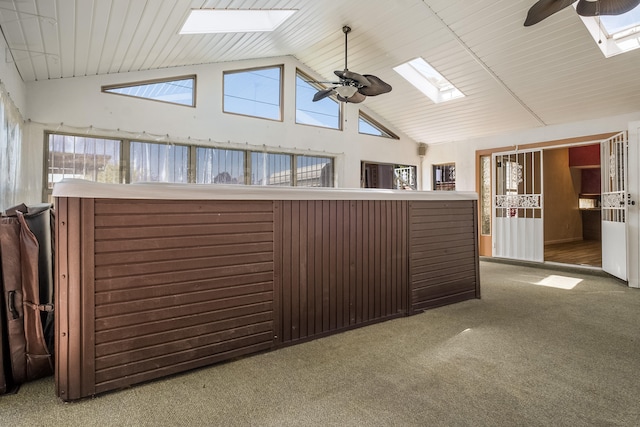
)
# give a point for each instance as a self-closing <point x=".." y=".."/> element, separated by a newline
<point x="588" y="155"/>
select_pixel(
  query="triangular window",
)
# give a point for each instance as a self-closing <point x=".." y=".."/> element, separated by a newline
<point x="368" y="126"/>
<point x="176" y="90"/>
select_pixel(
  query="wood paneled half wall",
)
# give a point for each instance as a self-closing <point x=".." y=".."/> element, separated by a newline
<point x="156" y="279"/>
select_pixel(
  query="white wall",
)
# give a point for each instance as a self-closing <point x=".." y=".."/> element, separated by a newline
<point x="463" y="153"/>
<point x="11" y="79"/>
<point x="77" y="106"/>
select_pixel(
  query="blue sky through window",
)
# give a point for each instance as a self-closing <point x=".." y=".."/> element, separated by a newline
<point x="324" y="113"/>
<point x="616" y="23"/>
<point x="253" y="93"/>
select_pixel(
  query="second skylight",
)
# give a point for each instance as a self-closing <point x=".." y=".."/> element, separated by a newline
<point x="203" y="21"/>
<point x="426" y="79"/>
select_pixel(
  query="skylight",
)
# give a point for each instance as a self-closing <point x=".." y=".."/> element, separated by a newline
<point x="424" y="77"/>
<point x="615" y="34"/>
<point x="203" y="21"/>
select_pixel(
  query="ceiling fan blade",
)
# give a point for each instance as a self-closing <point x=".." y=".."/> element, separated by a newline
<point x="321" y="94"/>
<point x="356" y="98"/>
<point x="605" y="7"/>
<point x="377" y="86"/>
<point x="544" y="9"/>
<point x="350" y="75"/>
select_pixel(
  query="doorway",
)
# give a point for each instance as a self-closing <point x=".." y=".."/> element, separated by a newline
<point x="572" y="218"/>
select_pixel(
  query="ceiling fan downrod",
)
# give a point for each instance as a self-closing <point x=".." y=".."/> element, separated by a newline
<point x="346" y="30"/>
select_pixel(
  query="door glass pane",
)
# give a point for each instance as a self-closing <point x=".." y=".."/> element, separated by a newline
<point x="485" y="195"/>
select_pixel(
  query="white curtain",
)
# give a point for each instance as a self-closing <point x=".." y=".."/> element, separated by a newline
<point x="10" y="151"/>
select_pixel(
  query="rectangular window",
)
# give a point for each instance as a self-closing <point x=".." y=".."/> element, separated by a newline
<point x="256" y="92"/>
<point x="159" y="162"/>
<point x="93" y="159"/>
<point x="444" y="177"/>
<point x="271" y="169"/>
<point x="125" y="161"/>
<point x="219" y="166"/>
<point x="323" y="113"/>
<point x="314" y="171"/>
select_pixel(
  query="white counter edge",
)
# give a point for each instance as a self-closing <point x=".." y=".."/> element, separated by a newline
<point x="163" y="191"/>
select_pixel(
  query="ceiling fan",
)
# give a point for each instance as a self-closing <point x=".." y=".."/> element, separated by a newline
<point x="545" y="8"/>
<point x="352" y="87"/>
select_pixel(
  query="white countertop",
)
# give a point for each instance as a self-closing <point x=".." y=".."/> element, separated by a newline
<point x="164" y="191"/>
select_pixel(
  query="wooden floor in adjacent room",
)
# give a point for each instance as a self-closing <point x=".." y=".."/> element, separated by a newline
<point x="581" y="252"/>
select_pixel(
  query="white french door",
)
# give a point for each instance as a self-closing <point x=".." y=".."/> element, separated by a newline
<point x="614" y="205"/>
<point x="518" y="231"/>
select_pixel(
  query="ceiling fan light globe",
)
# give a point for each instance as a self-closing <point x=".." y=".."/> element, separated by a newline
<point x="346" y="91"/>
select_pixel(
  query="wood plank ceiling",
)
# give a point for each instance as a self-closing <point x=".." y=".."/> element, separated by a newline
<point x="513" y="77"/>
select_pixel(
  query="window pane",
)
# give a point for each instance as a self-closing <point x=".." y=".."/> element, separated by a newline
<point x="253" y="93"/>
<point x="93" y="159"/>
<point x="270" y="169"/>
<point x="314" y="171"/>
<point x="159" y="162"/>
<point x="218" y="166"/>
<point x="444" y="177"/>
<point x="324" y="113"/>
<point x="180" y="91"/>
<point x="404" y="177"/>
<point x="368" y="126"/>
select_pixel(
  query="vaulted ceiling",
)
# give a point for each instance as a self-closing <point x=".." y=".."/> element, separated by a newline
<point x="514" y="77"/>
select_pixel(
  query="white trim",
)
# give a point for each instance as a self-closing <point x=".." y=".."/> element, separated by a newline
<point x="177" y="191"/>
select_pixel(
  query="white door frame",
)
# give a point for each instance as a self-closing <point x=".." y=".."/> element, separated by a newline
<point x="633" y="208"/>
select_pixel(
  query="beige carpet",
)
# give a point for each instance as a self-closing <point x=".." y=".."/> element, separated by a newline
<point x="530" y="352"/>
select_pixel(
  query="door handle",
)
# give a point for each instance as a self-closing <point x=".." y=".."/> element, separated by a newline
<point x="629" y="201"/>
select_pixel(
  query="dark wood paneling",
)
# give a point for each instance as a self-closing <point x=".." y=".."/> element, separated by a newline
<point x="151" y="288"/>
<point x="443" y="253"/>
<point x="343" y="264"/>
<point x="180" y="286"/>
<point x="74" y="293"/>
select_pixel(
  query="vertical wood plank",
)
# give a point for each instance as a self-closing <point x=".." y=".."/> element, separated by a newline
<point x="74" y="301"/>
<point x="61" y="292"/>
<point x="296" y="238"/>
<point x="318" y="253"/>
<point x="362" y="262"/>
<point x="87" y="295"/>
<point x="311" y="306"/>
<point x="281" y="276"/>
<point x="354" y="278"/>
<point x="331" y="248"/>
<point x="304" y="270"/>
<point x="282" y="270"/>
<point x="326" y="265"/>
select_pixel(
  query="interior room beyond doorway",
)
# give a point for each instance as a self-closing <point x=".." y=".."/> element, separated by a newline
<point x="572" y="216"/>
